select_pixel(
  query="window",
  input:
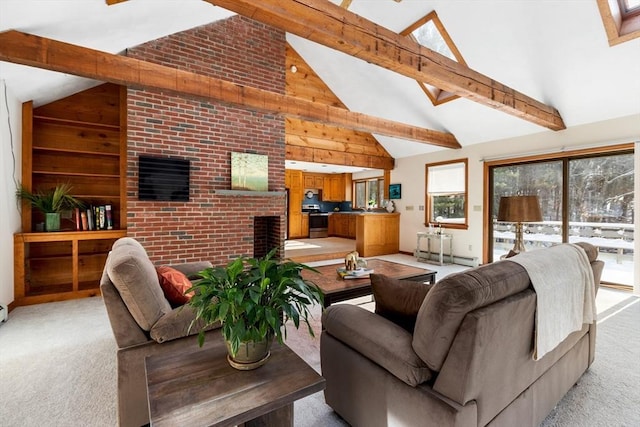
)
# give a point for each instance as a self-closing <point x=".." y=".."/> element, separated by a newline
<point x="430" y="33"/>
<point x="621" y="20"/>
<point x="583" y="198"/>
<point x="369" y="193"/>
<point x="629" y="8"/>
<point x="446" y="198"/>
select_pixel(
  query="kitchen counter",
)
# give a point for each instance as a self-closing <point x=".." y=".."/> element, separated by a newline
<point x="362" y="213"/>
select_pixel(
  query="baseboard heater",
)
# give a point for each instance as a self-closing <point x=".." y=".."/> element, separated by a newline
<point x="457" y="259"/>
<point x="4" y="313"/>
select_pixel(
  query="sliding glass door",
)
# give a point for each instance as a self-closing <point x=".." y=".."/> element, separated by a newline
<point x="586" y="198"/>
<point x="601" y="211"/>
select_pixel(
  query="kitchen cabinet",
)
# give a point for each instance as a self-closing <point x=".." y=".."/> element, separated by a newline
<point x="293" y="181"/>
<point x="304" y="228"/>
<point x="333" y="188"/>
<point x="351" y="228"/>
<point x="312" y="180"/>
<point x="342" y="225"/>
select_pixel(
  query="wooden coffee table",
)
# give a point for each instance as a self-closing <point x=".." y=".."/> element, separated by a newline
<point x="337" y="289"/>
<point x="197" y="388"/>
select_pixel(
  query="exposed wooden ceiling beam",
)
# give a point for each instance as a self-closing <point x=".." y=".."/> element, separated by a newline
<point x="333" y="26"/>
<point x="41" y="52"/>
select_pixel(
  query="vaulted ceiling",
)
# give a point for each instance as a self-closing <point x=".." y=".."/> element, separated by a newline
<point x="552" y="55"/>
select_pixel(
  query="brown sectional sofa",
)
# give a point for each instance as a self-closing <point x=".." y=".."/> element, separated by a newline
<point x="143" y="323"/>
<point x="468" y="361"/>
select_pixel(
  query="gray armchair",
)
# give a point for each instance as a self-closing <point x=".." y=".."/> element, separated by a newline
<point x="143" y="322"/>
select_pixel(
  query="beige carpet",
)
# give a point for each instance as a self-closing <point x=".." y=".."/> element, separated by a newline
<point x="57" y="368"/>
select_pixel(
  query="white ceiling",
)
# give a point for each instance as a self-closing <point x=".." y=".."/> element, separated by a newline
<point x="555" y="51"/>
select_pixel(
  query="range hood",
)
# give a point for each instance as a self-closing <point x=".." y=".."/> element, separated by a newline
<point x="310" y="193"/>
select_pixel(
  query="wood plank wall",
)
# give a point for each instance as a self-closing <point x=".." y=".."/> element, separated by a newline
<point x="319" y="143"/>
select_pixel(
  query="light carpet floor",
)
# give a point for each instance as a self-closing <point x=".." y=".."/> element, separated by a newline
<point x="57" y="367"/>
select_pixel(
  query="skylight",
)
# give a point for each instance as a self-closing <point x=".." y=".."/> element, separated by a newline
<point x="621" y="20"/>
<point x="429" y="36"/>
<point x="430" y="33"/>
<point x="629" y="7"/>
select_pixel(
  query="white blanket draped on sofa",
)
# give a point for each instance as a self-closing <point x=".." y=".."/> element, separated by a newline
<point x="565" y="288"/>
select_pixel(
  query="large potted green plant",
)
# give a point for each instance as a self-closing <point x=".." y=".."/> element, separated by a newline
<point x="51" y="203"/>
<point x="253" y="298"/>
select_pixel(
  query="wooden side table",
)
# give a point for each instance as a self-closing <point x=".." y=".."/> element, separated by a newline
<point x="441" y="238"/>
<point x="189" y="388"/>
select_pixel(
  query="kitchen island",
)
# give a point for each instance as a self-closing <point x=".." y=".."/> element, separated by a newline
<point x="377" y="233"/>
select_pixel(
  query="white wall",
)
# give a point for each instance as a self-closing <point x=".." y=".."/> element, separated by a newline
<point x="10" y="161"/>
<point x="410" y="172"/>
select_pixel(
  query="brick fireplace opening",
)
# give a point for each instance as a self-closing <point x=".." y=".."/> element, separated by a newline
<point x="266" y="236"/>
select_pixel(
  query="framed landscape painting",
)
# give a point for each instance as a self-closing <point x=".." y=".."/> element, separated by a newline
<point x="249" y="172"/>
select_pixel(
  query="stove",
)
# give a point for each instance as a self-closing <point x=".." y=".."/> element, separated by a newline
<point x="318" y="221"/>
<point x="311" y="208"/>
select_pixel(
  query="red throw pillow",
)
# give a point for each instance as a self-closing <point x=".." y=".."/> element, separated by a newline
<point x="174" y="284"/>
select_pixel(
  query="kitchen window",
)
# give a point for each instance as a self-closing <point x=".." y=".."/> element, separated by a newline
<point x="369" y="193"/>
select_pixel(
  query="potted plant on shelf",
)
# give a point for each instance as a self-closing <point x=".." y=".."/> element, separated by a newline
<point x="51" y="203"/>
<point x="253" y="299"/>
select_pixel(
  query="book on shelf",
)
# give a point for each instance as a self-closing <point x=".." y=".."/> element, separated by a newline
<point x="83" y="217"/>
<point x="354" y="274"/>
<point x="109" y="217"/>
<point x="78" y="219"/>
<point x="102" y="218"/>
<point x="94" y="217"/>
<point x="90" y="221"/>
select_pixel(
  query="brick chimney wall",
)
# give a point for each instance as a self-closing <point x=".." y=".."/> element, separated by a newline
<point x="211" y="226"/>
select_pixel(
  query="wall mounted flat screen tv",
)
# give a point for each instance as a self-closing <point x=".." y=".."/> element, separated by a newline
<point x="163" y="178"/>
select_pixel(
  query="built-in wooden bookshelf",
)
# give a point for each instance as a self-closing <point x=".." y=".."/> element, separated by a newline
<point x="80" y="140"/>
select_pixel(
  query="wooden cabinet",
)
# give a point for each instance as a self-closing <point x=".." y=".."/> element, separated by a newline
<point x="312" y="180"/>
<point x="333" y="188"/>
<point x="342" y="225"/>
<point x="56" y="266"/>
<point x="79" y="140"/>
<point x="305" y="225"/>
<point x="351" y="228"/>
<point x="377" y="234"/>
<point x="295" y="181"/>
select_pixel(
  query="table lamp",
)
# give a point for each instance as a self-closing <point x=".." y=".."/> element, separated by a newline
<point x="519" y="209"/>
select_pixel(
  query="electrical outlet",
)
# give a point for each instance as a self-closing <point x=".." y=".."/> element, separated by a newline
<point x="421" y="207"/>
<point x="470" y="248"/>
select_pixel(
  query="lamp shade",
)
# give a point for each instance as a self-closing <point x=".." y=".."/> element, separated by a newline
<point x="519" y="209"/>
